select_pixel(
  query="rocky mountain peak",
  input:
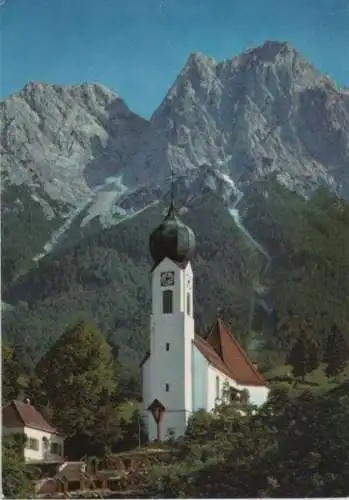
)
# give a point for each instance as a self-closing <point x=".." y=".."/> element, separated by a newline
<point x="270" y="50"/>
<point x="200" y="61"/>
<point x="266" y="111"/>
<point x="68" y="139"/>
<point x="250" y="115"/>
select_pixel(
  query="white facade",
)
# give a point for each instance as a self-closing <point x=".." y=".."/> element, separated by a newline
<point x="209" y="384"/>
<point x="176" y="373"/>
<point x="40" y="446"/>
<point x="217" y="381"/>
<point x="200" y="380"/>
<point x="167" y="374"/>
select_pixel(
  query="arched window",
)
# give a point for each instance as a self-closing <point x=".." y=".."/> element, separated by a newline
<point x="188" y="303"/>
<point x="167" y="302"/>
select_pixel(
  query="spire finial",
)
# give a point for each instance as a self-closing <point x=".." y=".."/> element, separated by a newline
<point x="172" y="188"/>
<point x="171" y="208"/>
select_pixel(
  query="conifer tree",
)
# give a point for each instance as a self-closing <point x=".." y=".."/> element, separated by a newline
<point x="10" y="374"/>
<point x="336" y="352"/>
<point x="304" y="355"/>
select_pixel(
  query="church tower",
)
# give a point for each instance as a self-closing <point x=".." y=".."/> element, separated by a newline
<point x="167" y="371"/>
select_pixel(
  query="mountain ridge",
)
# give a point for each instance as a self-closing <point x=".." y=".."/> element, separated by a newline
<point x="247" y="117"/>
<point x="80" y="167"/>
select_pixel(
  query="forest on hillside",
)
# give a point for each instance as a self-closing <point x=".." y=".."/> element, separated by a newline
<point x="106" y="278"/>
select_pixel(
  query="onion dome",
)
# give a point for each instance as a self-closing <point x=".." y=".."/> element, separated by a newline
<point x="172" y="239"/>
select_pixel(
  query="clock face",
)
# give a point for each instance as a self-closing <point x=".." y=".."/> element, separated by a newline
<point x="167" y="278"/>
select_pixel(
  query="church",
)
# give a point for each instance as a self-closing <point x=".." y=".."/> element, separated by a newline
<point x="181" y="372"/>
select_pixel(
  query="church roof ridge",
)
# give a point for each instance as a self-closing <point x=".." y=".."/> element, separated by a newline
<point x="227" y="348"/>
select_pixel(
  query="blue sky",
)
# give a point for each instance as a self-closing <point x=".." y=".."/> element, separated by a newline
<point x="137" y="47"/>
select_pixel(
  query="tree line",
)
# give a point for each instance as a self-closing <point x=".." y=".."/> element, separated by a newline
<point x="305" y="355"/>
<point x="293" y="446"/>
<point x="78" y="387"/>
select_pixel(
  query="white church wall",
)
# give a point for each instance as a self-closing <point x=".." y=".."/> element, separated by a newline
<point x="169" y="376"/>
<point x="212" y="393"/>
<point x="200" y="379"/>
<point x="258" y="394"/>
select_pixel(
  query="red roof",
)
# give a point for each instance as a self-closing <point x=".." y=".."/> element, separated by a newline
<point x="223" y="351"/>
<point x="18" y="413"/>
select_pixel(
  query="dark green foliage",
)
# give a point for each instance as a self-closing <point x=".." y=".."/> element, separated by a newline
<point x="304" y="355"/>
<point x="25" y="229"/>
<point x="76" y="386"/>
<point x="133" y="432"/>
<point x="11" y="370"/>
<point x="291" y="447"/>
<point x="129" y="386"/>
<point x="77" y="378"/>
<point x="336" y="352"/>
<point x="106" y="278"/>
<point x="16" y="477"/>
<point x="309" y="242"/>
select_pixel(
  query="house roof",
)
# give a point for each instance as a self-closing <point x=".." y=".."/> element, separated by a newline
<point x="18" y="413"/>
<point x="224" y="352"/>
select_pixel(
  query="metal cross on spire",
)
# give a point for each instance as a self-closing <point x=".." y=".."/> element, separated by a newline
<point x="171" y="208"/>
<point x="174" y="176"/>
<point x="172" y="187"/>
<point x="219" y="312"/>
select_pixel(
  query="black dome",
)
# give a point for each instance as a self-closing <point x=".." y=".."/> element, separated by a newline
<point x="172" y="239"/>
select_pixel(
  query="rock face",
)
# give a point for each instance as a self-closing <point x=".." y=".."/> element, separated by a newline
<point x="68" y="140"/>
<point x="76" y="160"/>
<point x="266" y="110"/>
<point x="84" y="156"/>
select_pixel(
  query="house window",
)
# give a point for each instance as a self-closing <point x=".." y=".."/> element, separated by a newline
<point x="167" y="302"/>
<point x="217" y="387"/>
<point x="56" y="449"/>
<point x="188" y="303"/>
<point x="167" y="346"/>
<point x="167" y="387"/>
<point x="32" y="444"/>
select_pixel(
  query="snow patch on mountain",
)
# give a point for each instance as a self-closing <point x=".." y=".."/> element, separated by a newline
<point x="59" y="233"/>
<point x="136" y="212"/>
<point x="104" y="205"/>
<point x="48" y="211"/>
<point x="234" y="212"/>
